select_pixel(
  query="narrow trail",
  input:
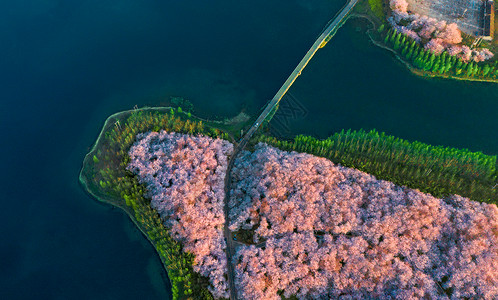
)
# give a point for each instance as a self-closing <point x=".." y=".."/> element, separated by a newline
<point x="320" y="41"/>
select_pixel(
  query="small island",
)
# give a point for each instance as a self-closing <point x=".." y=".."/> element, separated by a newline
<point x="304" y="225"/>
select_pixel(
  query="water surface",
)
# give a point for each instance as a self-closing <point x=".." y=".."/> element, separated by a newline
<point x="353" y="84"/>
<point x="66" y="66"/>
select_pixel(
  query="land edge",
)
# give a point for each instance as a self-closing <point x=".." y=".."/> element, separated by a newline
<point x="240" y="118"/>
<point x="413" y="70"/>
<point x="107" y="199"/>
<point x="115" y="200"/>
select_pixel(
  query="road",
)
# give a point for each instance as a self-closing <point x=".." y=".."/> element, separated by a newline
<point x="230" y="247"/>
<point x="297" y="71"/>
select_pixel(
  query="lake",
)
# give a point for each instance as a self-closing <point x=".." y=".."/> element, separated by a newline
<point x="67" y="65"/>
<point x="353" y="84"/>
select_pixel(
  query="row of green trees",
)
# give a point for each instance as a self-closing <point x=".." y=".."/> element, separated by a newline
<point x="437" y="170"/>
<point x="179" y="264"/>
<point x="111" y="178"/>
<point x="444" y="63"/>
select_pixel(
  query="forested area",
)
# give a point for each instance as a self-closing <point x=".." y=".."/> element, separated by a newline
<point x="321" y="229"/>
<point x="330" y="232"/>
<point x="106" y="176"/>
<point x="185" y="179"/>
<point x="438" y="170"/>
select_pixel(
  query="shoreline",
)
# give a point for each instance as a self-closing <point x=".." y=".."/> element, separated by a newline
<point x="87" y="172"/>
<point x="92" y="188"/>
<point x="108" y="200"/>
<point x="413" y="70"/>
<point x="116" y="201"/>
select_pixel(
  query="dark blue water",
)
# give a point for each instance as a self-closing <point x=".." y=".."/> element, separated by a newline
<point x="353" y="84"/>
<point x="64" y="67"/>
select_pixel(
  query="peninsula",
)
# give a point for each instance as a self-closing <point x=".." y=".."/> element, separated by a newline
<point x="360" y="214"/>
<point x="172" y="187"/>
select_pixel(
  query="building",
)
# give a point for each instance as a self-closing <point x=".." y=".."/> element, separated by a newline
<point x="489" y="20"/>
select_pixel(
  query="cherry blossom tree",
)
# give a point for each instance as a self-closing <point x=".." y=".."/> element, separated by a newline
<point x="482" y="54"/>
<point x="450" y="34"/>
<point x="435" y="45"/>
<point x="323" y="231"/>
<point x="410" y="33"/>
<point x="400" y="6"/>
<point x="454" y="50"/>
<point x="184" y="176"/>
<point x="426" y="31"/>
<point x="466" y="53"/>
<point x="331" y="231"/>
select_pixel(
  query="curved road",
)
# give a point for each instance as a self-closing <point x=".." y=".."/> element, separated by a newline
<point x="230" y="249"/>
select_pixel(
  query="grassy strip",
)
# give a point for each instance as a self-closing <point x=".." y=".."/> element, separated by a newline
<point x="436" y="170"/>
<point x="104" y="175"/>
<point x="377" y="8"/>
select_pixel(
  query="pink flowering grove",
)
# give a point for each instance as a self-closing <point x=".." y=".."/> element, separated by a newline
<point x="332" y="231"/>
<point x="320" y="230"/>
<point x="184" y="176"/>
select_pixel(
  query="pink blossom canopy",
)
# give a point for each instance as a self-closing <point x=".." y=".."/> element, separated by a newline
<point x="321" y="231"/>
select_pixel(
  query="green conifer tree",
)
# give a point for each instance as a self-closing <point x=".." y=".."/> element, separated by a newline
<point x="435" y="67"/>
<point x="470" y="69"/>
<point x="409" y="54"/>
<point x="486" y="69"/>
<point x="393" y="36"/>
<point x="403" y="52"/>
<point x="448" y="66"/>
